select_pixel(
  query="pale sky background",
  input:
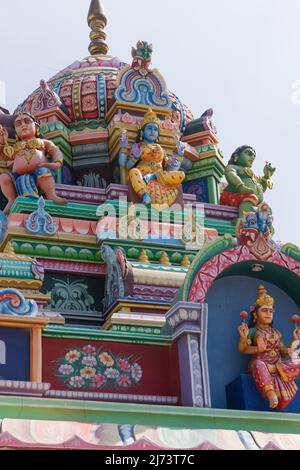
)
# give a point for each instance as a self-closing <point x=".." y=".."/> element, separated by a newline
<point x="239" y="57"/>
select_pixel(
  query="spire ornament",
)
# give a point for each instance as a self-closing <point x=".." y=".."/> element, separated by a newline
<point x="97" y="22"/>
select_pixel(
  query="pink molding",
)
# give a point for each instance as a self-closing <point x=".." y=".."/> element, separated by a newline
<point x="92" y="269"/>
<point x="216" y="265"/>
<point x="9" y="441"/>
<point x="69" y="226"/>
<point x="21" y="388"/>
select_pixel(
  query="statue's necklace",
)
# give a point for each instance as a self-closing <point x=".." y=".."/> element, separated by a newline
<point x="28" y="148"/>
<point x="28" y="154"/>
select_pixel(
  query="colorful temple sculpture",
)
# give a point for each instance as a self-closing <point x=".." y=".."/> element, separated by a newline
<point x="128" y="265"/>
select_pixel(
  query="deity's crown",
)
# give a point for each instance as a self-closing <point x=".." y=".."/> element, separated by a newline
<point x="263" y="298"/>
<point x="150" y="117"/>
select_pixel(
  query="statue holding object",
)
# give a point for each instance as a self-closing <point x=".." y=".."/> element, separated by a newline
<point x="154" y="177"/>
<point x="273" y="376"/>
<point x="245" y="189"/>
<point x="34" y="162"/>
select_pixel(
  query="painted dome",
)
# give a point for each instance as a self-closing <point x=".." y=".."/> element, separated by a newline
<point x="86" y="89"/>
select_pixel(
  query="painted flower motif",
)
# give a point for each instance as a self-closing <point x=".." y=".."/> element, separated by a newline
<point x="98" y="381"/>
<point x="89" y="361"/>
<point x="72" y="356"/>
<point x="111" y="373"/>
<point x="106" y="359"/>
<point x="124" y="381"/>
<point x="89" y="350"/>
<point x="90" y="368"/>
<point x="136" y="372"/>
<point x="88" y="372"/>
<point x="66" y="369"/>
<point x="76" y="382"/>
<point x="124" y="365"/>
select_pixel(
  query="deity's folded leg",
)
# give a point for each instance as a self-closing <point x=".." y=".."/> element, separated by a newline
<point x="137" y="181"/>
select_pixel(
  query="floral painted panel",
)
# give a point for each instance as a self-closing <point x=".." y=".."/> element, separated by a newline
<point x="88" y="367"/>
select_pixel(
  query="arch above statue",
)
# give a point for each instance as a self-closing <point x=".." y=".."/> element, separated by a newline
<point x="225" y="258"/>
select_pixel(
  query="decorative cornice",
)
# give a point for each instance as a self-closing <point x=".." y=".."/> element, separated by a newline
<point x="105" y="336"/>
<point x="18" y="387"/>
<point x="57" y="251"/>
<point x="73" y="267"/>
<point x="120" y="397"/>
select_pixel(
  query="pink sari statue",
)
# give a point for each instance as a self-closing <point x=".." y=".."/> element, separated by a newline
<point x="273" y="376"/>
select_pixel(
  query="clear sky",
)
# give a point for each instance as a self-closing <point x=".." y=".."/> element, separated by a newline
<point x="239" y="57"/>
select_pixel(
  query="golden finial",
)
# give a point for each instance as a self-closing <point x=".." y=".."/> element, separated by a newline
<point x="143" y="257"/>
<point x="185" y="262"/>
<point x="97" y="22"/>
<point x="164" y="259"/>
<point x="9" y="249"/>
<point x="263" y="298"/>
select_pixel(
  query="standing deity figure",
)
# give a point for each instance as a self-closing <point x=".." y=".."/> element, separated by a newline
<point x="34" y="162"/>
<point x="273" y="376"/>
<point x="245" y="189"/>
<point x="154" y="177"/>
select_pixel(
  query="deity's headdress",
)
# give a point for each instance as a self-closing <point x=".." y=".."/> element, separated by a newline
<point x="262" y="298"/>
<point x="150" y="117"/>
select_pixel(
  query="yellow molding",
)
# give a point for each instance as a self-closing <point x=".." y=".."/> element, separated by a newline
<point x="59" y="237"/>
<point x="135" y="319"/>
<point x="135" y="108"/>
<point x="36" y="295"/>
<point x="138" y="319"/>
<point x="11" y="321"/>
<point x="158" y="278"/>
<point x="128" y="307"/>
<point x="211" y="153"/>
<point x="20" y="283"/>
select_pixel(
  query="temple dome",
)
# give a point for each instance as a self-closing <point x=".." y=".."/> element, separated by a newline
<point x="86" y="88"/>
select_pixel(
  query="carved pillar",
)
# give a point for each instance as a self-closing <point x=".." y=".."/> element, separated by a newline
<point x="189" y="324"/>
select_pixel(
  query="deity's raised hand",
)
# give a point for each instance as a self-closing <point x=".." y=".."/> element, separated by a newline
<point x="243" y="330"/>
<point x="296" y="333"/>
<point x="269" y="170"/>
<point x="136" y="151"/>
<point x="124" y="140"/>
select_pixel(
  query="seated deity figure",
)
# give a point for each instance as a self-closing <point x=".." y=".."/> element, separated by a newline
<point x="34" y="162"/>
<point x="245" y="189"/>
<point x="154" y="177"/>
<point x="273" y="376"/>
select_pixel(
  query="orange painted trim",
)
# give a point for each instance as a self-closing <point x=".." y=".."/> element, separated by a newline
<point x="36" y="354"/>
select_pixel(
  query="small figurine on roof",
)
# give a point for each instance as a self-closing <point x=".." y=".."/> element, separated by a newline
<point x="141" y="55"/>
<point x="34" y="162"/>
<point x="245" y="189"/>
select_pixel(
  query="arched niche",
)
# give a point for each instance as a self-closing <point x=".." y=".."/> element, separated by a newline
<point x="227" y="296"/>
<point x="225" y="276"/>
